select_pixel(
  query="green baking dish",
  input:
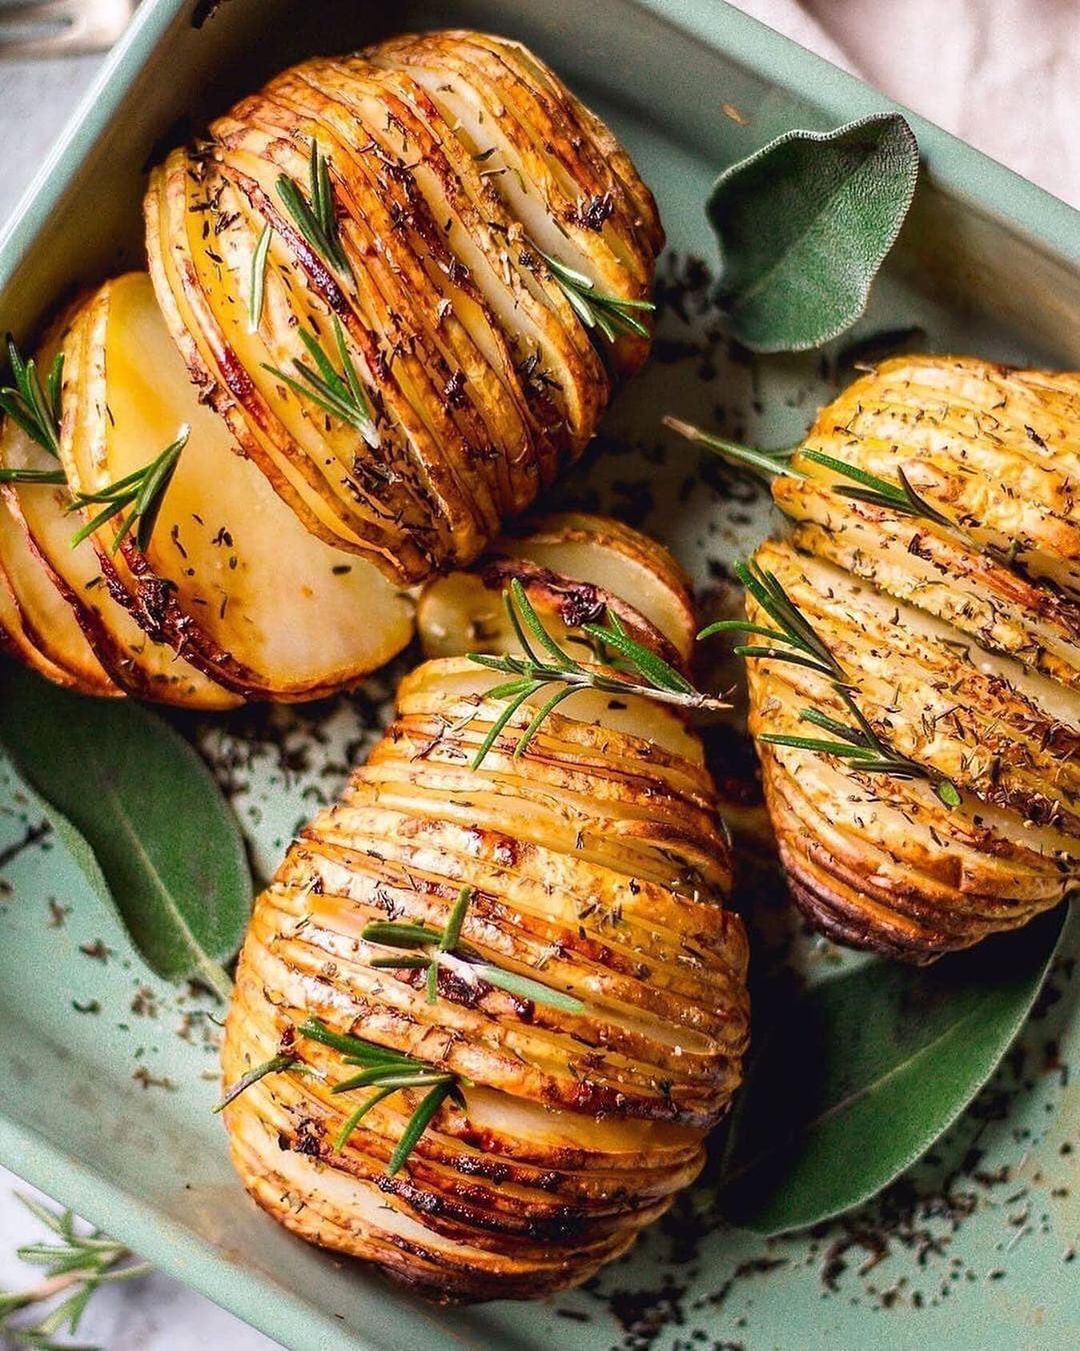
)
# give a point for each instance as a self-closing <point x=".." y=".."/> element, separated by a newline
<point x="108" y="1110"/>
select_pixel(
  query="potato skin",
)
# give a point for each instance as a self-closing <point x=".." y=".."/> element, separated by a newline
<point x="579" y="1128"/>
<point x="963" y="645"/>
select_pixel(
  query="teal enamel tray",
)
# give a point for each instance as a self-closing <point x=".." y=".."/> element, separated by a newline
<point x="108" y="1109"/>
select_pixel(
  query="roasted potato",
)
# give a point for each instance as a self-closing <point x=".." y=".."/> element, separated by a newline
<point x="393" y="292"/>
<point x="957" y="622"/>
<point x="439" y="222"/>
<point x="595" y="863"/>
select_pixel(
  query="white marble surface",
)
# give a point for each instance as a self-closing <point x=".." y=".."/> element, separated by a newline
<point x="971" y="65"/>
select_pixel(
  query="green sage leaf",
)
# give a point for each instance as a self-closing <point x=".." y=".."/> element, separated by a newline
<point x="859" y="1077"/>
<point x="143" y="818"/>
<point x="805" y="223"/>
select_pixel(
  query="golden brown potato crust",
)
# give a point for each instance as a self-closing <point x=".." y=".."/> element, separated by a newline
<point x="962" y="642"/>
<point x="459" y="166"/>
<point x="597" y="865"/>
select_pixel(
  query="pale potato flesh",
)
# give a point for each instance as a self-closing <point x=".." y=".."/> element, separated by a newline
<point x="328" y="618"/>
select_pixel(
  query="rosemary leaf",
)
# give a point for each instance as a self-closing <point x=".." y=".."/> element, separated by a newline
<point x="431" y="983"/>
<point x="528" y="989"/>
<point x="739" y="626"/>
<point x="418" y="1124"/>
<point x="338" y="393"/>
<point x="452" y="932"/>
<point x="500" y="722"/>
<point x="315" y="217"/>
<point x="642" y="659"/>
<point x="774" y="600"/>
<point x="54" y="476"/>
<point x="393" y="1077"/>
<point x="143" y="491"/>
<point x="613" y="315"/>
<point x="519" y="604"/>
<point x="540" y="717"/>
<point x="258" y="278"/>
<point x="353" y="1048"/>
<point x="271" y="1066"/>
<point x="398" y="935"/>
<point x="402" y="963"/>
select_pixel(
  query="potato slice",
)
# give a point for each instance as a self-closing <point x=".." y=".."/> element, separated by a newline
<point x="41" y="621"/>
<point x="619" y="560"/>
<point x="213" y="366"/>
<point x="222" y="531"/>
<point x="23" y="610"/>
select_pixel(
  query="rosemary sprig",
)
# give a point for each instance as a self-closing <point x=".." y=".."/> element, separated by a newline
<point x="795" y="640"/>
<point x="143" y="491"/>
<point x="314" y="212"/>
<point x="337" y="392"/>
<point x="864" y="487"/>
<point x="612" y="315"/>
<point x="466" y="961"/>
<point x="544" y="662"/>
<point x="863" y="749"/>
<point x="257" y="292"/>
<point x="799" y="641"/>
<point x="31" y="404"/>
<point x="385" y="1070"/>
<point x="75" y="1267"/>
<point x="879" y="492"/>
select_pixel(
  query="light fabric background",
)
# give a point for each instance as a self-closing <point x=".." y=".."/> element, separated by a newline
<point x="1003" y="74"/>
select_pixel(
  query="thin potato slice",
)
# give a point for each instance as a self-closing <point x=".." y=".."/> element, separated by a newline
<point x="329" y="618"/>
<point x="215" y="368"/>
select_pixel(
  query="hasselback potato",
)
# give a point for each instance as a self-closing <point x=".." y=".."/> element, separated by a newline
<point x="947" y="587"/>
<point x="582" y="1031"/>
<point x="391" y="293"/>
<point x="472" y="208"/>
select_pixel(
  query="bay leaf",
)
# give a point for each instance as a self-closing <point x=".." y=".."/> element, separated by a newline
<point x="142" y="817"/>
<point x="804" y="225"/>
<point x="861" y="1073"/>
